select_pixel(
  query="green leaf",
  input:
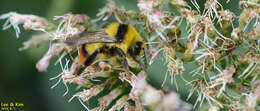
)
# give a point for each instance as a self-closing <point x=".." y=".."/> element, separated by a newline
<point x="241" y="49"/>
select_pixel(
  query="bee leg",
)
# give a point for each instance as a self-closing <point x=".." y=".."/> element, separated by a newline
<point x="81" y="69"/>
<point x="122" y="54"/>
<point x="92" y="57"/>
<point x="89" y="61"/>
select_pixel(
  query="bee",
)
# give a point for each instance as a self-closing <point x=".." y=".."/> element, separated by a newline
<point x="115" y="39"/>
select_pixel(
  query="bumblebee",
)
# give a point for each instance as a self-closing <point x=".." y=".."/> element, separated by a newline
<point x="115" y="39"/>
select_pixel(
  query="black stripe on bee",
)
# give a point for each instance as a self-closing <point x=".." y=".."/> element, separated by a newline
<point x="92" y="57"/>
<point x="121" y="31"/>
<point x="84" y="51"/>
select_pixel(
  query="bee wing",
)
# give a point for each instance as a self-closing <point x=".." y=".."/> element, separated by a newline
<point x="90" y="37"/>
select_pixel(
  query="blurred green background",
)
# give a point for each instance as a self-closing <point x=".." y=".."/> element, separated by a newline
<point x="21" y="82"/>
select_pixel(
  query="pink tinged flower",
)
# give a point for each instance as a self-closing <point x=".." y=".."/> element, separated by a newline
<point x="80" y="18"/>
<point x="139" y="82"/>
<point x="70" y="25"/>
<point x="54" y="50"/>
<point x="139" y="108"/>
<point x="235" y="33"/>
<point x="170" y="102"/>
<point x="138" y="85"/>
<point x="74" y="18"/>
<point x="75" y="67"/>
<point x="179" y="2"/>
<point x="252" y="98"/>
<point x="211" y="7"/>
<point x="34" y="40"/>
<point x="106" y="100"/>
<point x="151" y="95"/>
<point x="214" y="108"/>
<point x="85" y="95"/>
<point x="222" y="79"/>
<point x="77" y="80"/>
<point x="155" y="19"/>
<point x="158" y="14"/>
<point x="190" y="16"/>
<point x="226" y="15"/>
<point x="146" y="6"/>
<point x="120" y="104"/>
<point x="63" y="76"/>
<point x="35" y="25"/>
<point x="228" y="73"/>
<point x="30" y="22"/>
<point x="155" y="2"/>
<point x="68" y="75"/>
<point x="128" y="107"/>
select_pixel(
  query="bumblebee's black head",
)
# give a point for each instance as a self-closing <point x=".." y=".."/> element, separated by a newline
<point x="136" y="49"/>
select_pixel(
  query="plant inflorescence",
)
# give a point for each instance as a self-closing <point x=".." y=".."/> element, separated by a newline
<point x="225" y="48"/>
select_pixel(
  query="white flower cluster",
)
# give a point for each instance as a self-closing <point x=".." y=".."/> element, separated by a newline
<point x="68" y="25"/>
<point x="223" y="79"/>
<point x="30" y="22"/>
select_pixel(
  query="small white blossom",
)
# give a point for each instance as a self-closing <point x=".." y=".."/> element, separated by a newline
<point x="53" y="51"/>
<point x="146" y="6"/>
<point x="106" y="100"/>
<point x="30" y="22"/>
<point x="65" y="74"/>
<point x="223" y="79"/>
<point x="151" y="96"/>
<point x="68" y="76"/>
<point x="213" y="108"/>
<point x="207" y="58"/>
<point x="35" y="40"/>
<point x="174" y="67"/>
<point x="68" y="25"/>
<point x="226" y="15"/>
<point x="204" y="93"/>
<point x="234" y="33"/>
<point x="251" y="99"/>
<point x="190" y="16"/>
<point x="210" y="10"/>
<point x="85" y="95"/>
<point x="179" y="2"/>
<point x="138" y="83"/>
<point x="170" y="102"/>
